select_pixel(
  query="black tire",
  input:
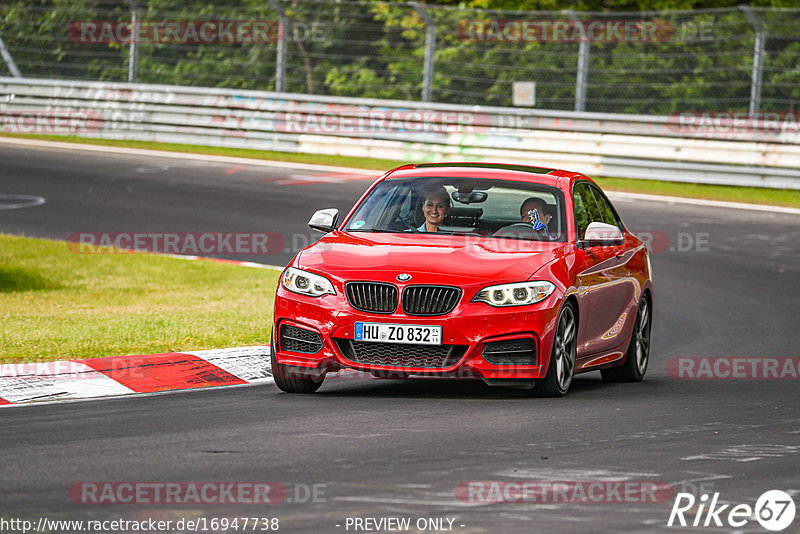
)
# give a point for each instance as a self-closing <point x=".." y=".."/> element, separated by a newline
<point x="561" y="369"/>
<point x="291" y="382"/>
<point x="636" y="361"/>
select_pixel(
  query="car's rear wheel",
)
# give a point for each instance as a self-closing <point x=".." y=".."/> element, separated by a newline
<point x="559" y="375"/>
<point x="292" y="382"/>
<point x="635" y="365"/>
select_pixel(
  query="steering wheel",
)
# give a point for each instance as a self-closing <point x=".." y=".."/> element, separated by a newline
<point x="401" y="221"/>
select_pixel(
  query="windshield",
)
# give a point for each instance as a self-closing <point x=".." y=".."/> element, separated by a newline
<point x="463" y="206"/>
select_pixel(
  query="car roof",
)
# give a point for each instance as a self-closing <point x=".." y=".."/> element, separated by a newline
<point x="500" y="171"/>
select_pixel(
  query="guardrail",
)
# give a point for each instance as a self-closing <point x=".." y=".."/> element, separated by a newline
<point x="686" y="148"/>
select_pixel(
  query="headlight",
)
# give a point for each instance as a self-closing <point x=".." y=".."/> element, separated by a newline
<point x="306" y="283"/>
<point x="519" y="294"/>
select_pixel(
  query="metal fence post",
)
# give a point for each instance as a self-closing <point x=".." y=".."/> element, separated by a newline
<point x="133" y="52"/>
<point x="758" y="58"/>
<point x="280" y="56"/>
<point x="430" y="49"/>
<point x="9" y="60"/>
<point x="583" y="64"/>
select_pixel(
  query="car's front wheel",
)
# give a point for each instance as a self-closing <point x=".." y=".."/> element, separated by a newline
<point x="291" y="382"/>
<point x="559" y="375"/>
<point x="635" y="365"/>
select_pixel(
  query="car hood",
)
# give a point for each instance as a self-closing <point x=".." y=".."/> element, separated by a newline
<point x="458" y="258"/>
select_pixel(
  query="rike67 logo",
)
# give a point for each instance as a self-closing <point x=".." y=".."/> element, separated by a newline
<point x="774" y="510"/>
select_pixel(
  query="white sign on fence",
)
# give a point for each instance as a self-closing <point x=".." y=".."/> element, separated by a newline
<point x="524" y="94"/>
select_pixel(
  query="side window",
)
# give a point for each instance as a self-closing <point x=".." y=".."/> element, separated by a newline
<point x="586" y="210"/>
<point x="609" y="217"/>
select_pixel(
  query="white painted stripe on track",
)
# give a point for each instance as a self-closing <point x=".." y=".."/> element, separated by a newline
<point x="14" y="202"/>
<point x="215" y="260"/>
<point x="331" y="178"/>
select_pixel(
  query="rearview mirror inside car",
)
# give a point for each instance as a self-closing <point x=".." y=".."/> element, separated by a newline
<point x="474" y="197"/>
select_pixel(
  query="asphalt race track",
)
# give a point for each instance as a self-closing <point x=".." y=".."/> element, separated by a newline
<point x="726" y="284"/>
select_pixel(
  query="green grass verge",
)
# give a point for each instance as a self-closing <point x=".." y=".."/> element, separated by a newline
<point x="56" y="304"/>
<point x="756" y="195"/>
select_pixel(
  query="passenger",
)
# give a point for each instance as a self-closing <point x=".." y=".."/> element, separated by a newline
<point x="435" y="208"/>
<point x="534" y="203"/>
<point x="534" y="211"/>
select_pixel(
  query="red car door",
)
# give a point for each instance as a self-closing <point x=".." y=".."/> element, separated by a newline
<point x="605" y="284"/>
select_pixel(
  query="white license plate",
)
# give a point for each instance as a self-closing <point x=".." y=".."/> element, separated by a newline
<point x="399" y="333"/>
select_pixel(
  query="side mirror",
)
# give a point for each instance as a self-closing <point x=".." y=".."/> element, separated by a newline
<point x="324" y="220"/>
<point x="601" y="234"/>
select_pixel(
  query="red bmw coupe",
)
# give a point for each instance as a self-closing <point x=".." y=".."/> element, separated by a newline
<point x="520" y="276"/>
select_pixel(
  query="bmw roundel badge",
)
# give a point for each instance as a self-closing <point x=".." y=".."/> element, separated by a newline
<point x="404" y="277"/>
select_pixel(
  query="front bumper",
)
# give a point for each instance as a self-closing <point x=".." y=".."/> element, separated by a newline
<point x="467" y="330"/>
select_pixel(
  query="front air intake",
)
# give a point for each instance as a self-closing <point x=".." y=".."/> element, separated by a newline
<point x="299" y="340"/>
<point x="372" y="297"/>
<point x="521" y="351"/>
<point x="401" y="355"/>
<point x="430" y="300"/>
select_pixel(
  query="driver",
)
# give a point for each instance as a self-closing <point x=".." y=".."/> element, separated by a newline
<point x="435" y="208"/>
